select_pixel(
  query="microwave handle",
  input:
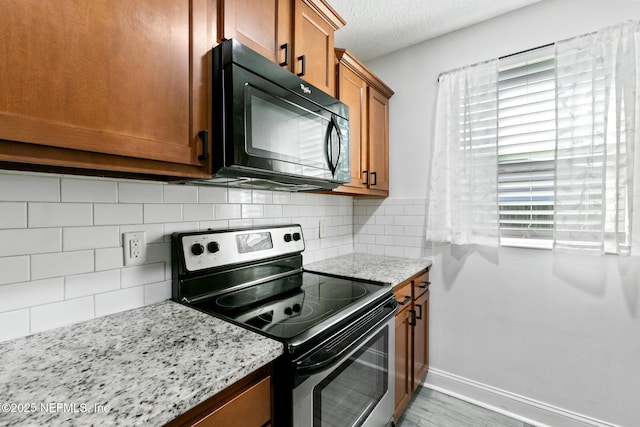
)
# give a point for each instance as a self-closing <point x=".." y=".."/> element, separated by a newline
<point x="333" y="125"/>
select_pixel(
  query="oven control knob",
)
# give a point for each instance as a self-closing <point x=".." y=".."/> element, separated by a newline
<point x="297" y="308"/>
<point x="296" y="236"/>
<point x="288" y="311"/>
<point x="213" y="247"/>
<point x="287" y="237"/>
<point x="197" y="249"/>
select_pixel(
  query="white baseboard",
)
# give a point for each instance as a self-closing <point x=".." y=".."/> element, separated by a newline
<point x="510" y="404"/>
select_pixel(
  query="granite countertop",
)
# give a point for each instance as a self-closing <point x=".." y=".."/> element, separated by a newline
<point x="141" y="367"/>
<point x="394" y="270"/>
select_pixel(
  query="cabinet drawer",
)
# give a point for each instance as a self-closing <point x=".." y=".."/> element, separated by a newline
<point x="252" y="407"/>
<point x="421" y="285"/>
<point x="403" y="295"/>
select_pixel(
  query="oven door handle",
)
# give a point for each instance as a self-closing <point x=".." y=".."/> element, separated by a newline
<point x="330" y="359"/>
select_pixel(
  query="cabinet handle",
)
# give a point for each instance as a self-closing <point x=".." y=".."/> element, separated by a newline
<point x="412" y="321"/>
<point x="424" y="285"/>
<point x="204" y="136"/>
<point x="286" y="55"/>
<point x="374" y="175"/>
<point x="419" y="316"/>
<point x="405" y="300"/>
<point x="304" y="65"/>
<point x="366" y="180"/>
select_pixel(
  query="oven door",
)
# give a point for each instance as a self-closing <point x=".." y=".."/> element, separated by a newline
<point x="357" y="390"/>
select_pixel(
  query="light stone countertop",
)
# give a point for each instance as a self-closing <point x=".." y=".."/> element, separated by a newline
<point x="380" y="268"/>
<point x="146" y="365"/>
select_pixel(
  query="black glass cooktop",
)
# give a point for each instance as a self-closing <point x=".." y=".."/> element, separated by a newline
<point x="286" y="307"/>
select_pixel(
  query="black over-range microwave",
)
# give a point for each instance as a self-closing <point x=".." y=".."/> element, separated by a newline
<point x="271" y="129"/>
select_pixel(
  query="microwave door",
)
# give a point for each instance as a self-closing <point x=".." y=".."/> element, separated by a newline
<point x="292" y="138"/>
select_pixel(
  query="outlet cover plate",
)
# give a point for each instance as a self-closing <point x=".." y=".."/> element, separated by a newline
<point x="134" y="247"/>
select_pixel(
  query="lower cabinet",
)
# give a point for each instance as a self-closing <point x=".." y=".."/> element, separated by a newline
<point x="246" y="403"/>
<point x="412" y="338"/>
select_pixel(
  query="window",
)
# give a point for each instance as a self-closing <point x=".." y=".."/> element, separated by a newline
<point x="526" y="148"/>
<point x="540" y="149"/>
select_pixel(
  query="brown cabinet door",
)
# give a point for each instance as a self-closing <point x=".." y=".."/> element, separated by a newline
<point x="262" y="25"/>
<point x="313" y="57"/>
<point x="421" y="339"/>
<point x="116" y="77"/>
<point x="378" y="141"/>
<point x="352" y="91"/>
<point x="403" y="361"/>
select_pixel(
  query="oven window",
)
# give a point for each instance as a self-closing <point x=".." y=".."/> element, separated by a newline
<point x="351" y="392"/>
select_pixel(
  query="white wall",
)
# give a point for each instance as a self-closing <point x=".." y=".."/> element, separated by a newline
<point x="61" y="251"/>
<point x="548" y="337"/>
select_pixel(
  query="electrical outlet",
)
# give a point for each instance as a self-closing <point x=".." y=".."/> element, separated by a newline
<point x="324" y="228"/>
<point x="135" y="247"/>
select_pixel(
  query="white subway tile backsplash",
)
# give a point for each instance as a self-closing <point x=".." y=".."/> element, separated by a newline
<point x="198" y="212"/>
<point x="61" y="264"/>
<point x="252" y="211"/>
<point x="78" y="238"/>
<point x="262" y="197"/>
<point x="61" y="257"/>
<point x="26" y="294"/>
<point x="212" y="195"/>
<point x="157" y="292"/>
<point x="180" y="194"/>
<point x="228" y="211"/>
<point x="133" y="192"/>
<point x="28" y="188"/>
<point x="158" y="213"/>
<point x="59" y="214"/>
<point x="117" y="301"/>
<point x="108" y="258"/>
<point x="88" y="190"/>
<point x="239" y="195"/>
<point x="13" y="215"/>
<point x="281" y="198"/>
<point x="14" y="324"/>
<point x="30" y="241"/>
<point x="14" y="269"/>
<point x="116" y="214"/>
<point x="62" y="313"/>
<point x="81" y="285"/>
<point x="273" y="211"/>
<point x="142" y="274"/>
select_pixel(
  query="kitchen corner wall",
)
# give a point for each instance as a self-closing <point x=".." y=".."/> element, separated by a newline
<point x="391" y="227"/>
<point x="61" y="257"/>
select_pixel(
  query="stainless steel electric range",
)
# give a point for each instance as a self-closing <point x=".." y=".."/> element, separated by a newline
<point x="338" y="333"/>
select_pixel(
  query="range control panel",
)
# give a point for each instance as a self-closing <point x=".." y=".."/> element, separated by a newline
<point x="216" y="248"/>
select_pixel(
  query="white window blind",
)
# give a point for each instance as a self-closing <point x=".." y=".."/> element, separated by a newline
<point x="526" y="148"/>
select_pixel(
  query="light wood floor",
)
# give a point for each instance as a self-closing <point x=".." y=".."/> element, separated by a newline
<point x="429" y="408"/>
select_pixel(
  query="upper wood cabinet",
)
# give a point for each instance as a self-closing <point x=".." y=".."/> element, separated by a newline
<point x="368" y="100"/>
<point x="262" y="25"/>
<point x="106" y="85"/>
<point x="296" y="34"/>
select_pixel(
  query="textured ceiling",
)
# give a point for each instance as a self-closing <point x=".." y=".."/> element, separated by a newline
<point x="377" y="27"/>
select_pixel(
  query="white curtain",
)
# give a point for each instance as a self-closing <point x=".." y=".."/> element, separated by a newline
<point x="596" y="149"/>
<point x="597" y="152"/>
<point x="463" y="185"/>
